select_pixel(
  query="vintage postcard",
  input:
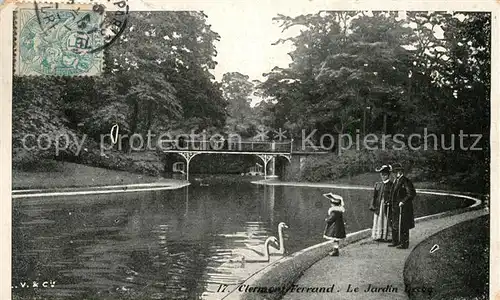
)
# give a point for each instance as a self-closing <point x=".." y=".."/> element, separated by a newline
<point x="249" y="149"/>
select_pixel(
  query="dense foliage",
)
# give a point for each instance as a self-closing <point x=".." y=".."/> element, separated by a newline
<point x="157" y="79"/>
<point x="351" y="73"/>
<point x="356" y="72"/>
<point x="238" y="90"/>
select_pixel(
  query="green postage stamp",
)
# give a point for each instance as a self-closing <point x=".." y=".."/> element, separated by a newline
<point x="59" y="40"/>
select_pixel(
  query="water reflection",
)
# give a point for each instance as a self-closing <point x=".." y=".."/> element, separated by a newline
<point x="187" y="200"/>
<point x="268" y="201"/>
<point x="228" y="267"/>
<point x="168" y="244"/>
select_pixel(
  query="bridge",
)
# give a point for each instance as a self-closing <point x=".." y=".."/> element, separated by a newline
<point x="267" y="151"/>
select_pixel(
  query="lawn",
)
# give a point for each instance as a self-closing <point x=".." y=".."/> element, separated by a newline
<point x="370" y="179"/>
<point x="459" y="269"/>
<point x="52" y="174"/>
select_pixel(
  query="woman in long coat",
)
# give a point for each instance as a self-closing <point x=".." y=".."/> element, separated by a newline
<point x="380" y="204"/>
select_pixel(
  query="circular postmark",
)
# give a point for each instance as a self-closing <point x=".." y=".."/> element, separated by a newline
<point x="92" y="28"/>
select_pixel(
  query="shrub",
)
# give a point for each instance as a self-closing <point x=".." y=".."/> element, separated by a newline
<point x="421" y="165"/>
<point x="147" y="163"/>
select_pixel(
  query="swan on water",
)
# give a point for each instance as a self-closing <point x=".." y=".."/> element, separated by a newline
<point x="273" y="251"/>
<point x="242" y="256"/>
<point x="240" y="265"/>
<point x="243" y="235"/>
<point x="250" y="255"/>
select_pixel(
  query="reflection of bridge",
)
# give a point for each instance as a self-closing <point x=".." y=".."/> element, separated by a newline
<point x="266" y="151"/>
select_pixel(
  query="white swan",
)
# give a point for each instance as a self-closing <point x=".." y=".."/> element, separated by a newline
<point x="273" y="251"/>
<point x="249" y="255"/>
<point x="281" y="249"/>
<point x="235" y="269"/>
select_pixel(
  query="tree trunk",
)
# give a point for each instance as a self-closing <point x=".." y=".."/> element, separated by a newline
<point x="340" y="132"/>
<point x="150" y="116"/>
<point x="409" y="86"/>
<point x="134" y="120"/>
<point x="385" y="122"/>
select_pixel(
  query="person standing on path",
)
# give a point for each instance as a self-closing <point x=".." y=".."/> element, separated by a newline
<point x="402" y="195"/>
<point x="380" y="205"/>
<point x="335" y="227"/>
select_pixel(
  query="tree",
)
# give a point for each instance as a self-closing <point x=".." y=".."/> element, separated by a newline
<point x="454" y="84"/>
<point x="237" y="89"/>
<point x="157" y="78"/>
<point x="160" y="76"/>
<point x="36" y="110"/>
<point x="409" y="76"/>
<point x="343" y="62"/>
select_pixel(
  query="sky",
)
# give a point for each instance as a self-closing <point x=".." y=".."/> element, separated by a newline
<point x="246" y="37"/>
<point x="247" y="34"/>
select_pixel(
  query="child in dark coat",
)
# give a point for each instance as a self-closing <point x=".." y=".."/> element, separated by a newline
<point x="335" y="228"/>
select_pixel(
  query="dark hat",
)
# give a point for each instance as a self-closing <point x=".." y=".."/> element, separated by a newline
<point x="397" y="166"/>
<point x="384" y="168"/>
<point x="335" y="199"/>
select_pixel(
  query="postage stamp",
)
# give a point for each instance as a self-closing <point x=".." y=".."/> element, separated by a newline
<point x="65" y="39"/>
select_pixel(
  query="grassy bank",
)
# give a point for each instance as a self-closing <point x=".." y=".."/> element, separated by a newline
<point x="457" y="270"/>
<point x="52" y="174"/>
<point x="431" y="168"/>
<point x="371" y="178"/>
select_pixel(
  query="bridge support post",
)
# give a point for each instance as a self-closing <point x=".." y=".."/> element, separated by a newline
<point x="273" y="161"/>
<point x="273" y="166"/>
<point x="188" y="156"/>
<point x="265" y="159"/>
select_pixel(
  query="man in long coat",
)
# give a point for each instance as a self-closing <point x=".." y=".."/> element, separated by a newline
<point x="402" y="195"/>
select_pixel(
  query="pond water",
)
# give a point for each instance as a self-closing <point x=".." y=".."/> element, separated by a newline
<point x="168" y="244"/>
